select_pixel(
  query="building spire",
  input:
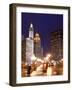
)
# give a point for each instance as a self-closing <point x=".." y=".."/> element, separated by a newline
<point x="31" y="31"/>
<point x="31" y="25"/>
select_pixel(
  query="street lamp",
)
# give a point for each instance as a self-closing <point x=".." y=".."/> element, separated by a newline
<point x="48" y="55"/>
<point x="47" y="58"/>
<point x="33" y="58"/>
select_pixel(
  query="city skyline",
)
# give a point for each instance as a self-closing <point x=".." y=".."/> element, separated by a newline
<point x="42" y="24"/>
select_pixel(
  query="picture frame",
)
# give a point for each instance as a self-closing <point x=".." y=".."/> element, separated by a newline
<point x="47" y="22"/>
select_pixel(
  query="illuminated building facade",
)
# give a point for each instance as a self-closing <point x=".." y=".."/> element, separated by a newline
<point x="29" y="50"/>
<point x="56" y="42"/>
<point x="28" y="46"/>
<point x="31" y="46"/>
<point x="38" y="50"/>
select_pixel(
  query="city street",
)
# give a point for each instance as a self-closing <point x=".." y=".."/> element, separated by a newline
<point x="42" y="69"/>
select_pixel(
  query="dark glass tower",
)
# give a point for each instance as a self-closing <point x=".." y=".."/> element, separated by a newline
<point x="56" y="42"/>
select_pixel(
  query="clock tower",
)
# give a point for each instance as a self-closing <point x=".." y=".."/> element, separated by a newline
<point x="31" y="31"/>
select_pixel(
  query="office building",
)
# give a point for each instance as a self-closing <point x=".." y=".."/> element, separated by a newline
<point x="38" y="50"/>
<point x="56" y="44"/>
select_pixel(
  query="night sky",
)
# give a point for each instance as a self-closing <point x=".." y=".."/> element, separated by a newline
<point x="43" y="24"/>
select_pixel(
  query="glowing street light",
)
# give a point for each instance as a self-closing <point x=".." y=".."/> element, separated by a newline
<point x="52" y="61"/>
<point x="48" y="55"/>
<point x="33" y="58"/>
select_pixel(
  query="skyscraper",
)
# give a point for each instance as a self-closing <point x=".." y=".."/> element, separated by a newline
<point x="30" y="44"/>
<point x="56" y="42"/>
<point x="38" y="51"/>
<point x="29" y="50"/>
